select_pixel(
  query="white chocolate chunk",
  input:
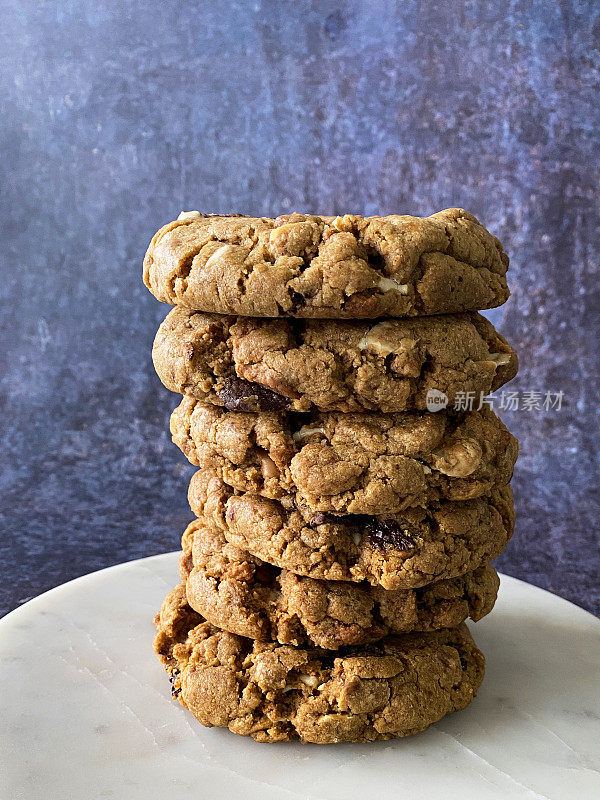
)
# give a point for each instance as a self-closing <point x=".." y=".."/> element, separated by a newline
<point x="390" y="285"/>
<point x="226" y="249"/>
<point x="499" y="358"/>
<point x="460" y="459"/>
<point x="306" y="431"/>
<point x="309" y="680"/>
<point x="343" y="223"/>
<point x="375" y="339"/>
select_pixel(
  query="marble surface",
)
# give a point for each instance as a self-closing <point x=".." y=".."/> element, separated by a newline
<point x="91" y="715"/>
<point x="116" y="114"/>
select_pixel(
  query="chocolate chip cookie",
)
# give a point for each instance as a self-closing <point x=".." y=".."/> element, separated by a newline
<point x="249" y="364"/>
<point x="237" y="592"/>
<point x="348" y="266"/>
<point x="349" y="463"/>
<point x="395" y="687"/>
<point x="401" y="551"/>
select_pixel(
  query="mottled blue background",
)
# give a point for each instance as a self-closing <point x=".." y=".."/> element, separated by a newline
<point x="116" y="115"/>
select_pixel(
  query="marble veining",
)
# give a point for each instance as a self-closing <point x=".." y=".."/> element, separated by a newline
<point x="93" y="716"/>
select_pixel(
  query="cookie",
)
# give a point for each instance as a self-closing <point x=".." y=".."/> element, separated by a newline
<point x="401" y="551"/>
<point x="249" y="364"/>
<point x="237" y="592"/>
<point x="349" y="463"/>
<point x="396" y="687"/>
<point x="348" y="266"/>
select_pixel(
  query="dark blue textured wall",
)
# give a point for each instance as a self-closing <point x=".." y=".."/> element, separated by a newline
<point x="115" y="115"/>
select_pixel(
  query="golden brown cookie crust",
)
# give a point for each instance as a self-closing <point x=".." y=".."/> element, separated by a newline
<point x="248" y="364"/>
<point x="237" y="592"/>
<point x="400" y="551"/>
<point x="393" y="688"/>
<point x="348" y="266"/>
<point x="349" y="463"/>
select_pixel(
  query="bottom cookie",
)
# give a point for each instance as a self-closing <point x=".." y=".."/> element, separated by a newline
<point x="397" y="687"/>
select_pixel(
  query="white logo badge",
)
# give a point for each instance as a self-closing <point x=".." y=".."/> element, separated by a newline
<point x="436" y="400"/>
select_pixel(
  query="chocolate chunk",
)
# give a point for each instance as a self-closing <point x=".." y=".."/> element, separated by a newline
<point x="381" y="533"/>
<point x="327" y="659"/>
<point x="375" y="258"/>
<point x="240" y="395"/>
<point x="384" y="533"/>
<point x="320" y="519"/>
<point x="298" y="300"/>
<point x="173" y="675"/>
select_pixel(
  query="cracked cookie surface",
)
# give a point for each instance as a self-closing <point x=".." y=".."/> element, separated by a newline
<point x="249" y="364"/>
<point x="237" y="592"/>
<point x="332" y="267"/>
<point x="398" y="551"/>
<point x="349" y="463"/>
<point x="396" y="687"/>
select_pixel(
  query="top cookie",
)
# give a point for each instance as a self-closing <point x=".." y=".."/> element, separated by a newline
<point x="345" y="267"/>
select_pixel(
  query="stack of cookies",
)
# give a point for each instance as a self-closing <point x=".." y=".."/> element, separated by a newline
<point x="346" y="510"/>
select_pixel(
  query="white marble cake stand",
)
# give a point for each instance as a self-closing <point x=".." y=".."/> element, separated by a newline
<point x="85" y="711"/>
